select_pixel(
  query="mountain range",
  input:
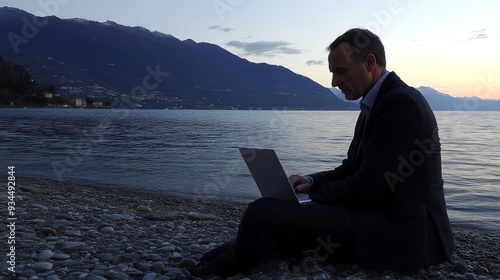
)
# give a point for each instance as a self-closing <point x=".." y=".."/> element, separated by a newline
<point x="441" y="102"/>
<point x="140" y="68"/>
<point x="137" y="68"/>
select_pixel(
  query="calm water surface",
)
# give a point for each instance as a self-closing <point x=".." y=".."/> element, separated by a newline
<point x="195" y="153"/>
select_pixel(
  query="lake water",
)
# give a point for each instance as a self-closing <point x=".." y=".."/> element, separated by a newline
<point x="194" y="153"/>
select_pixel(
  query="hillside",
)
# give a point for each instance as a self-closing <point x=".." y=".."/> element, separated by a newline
<point x="17" y="87"/>
<point x="134" y="67"/>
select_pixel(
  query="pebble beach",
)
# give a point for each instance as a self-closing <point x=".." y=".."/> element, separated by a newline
<point x="65" y="230"/>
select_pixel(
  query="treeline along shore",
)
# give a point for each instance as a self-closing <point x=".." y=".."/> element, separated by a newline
<point x="66" y="230"/>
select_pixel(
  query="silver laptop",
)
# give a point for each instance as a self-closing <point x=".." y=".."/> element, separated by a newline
<point x="269" y="175"/>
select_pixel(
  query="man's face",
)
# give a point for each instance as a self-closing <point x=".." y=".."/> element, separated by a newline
<point x="349" y="75"/>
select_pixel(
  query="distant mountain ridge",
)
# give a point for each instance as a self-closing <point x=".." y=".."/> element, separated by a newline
<point x="137" y="68"/>
<point x="441" y="102"/>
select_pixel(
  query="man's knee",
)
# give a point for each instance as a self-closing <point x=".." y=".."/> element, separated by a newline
<point x="260" y="207"/>
<point x="262" y="211"/>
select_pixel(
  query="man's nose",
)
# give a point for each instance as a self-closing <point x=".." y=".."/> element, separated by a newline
<point x="335" y="81"/>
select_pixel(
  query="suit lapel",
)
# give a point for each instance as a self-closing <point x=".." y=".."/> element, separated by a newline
<point x="390" y="83"/>
<point x="358" y="136"/>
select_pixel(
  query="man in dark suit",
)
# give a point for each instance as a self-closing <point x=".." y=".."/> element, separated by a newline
<point x="383" y="207"/>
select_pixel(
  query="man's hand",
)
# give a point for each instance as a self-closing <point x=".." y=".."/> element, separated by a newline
<point x="300" y="183"/>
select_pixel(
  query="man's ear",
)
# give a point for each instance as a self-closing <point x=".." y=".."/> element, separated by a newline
<point x="370" y="62"/>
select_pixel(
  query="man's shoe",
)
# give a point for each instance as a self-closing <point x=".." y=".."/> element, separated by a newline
<point x="216" y="252"/>
<point x="202" y="270"/>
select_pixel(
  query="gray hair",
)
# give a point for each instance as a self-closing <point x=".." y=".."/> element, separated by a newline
<point x="363" y="42"/>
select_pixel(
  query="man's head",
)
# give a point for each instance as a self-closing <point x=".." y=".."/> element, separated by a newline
<point x="357" y="61"/>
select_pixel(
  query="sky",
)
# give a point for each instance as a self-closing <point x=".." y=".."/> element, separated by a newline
<point x="451" y="46"/>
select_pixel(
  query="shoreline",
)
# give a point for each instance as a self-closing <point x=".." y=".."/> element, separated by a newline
<point x="68" y="230"/>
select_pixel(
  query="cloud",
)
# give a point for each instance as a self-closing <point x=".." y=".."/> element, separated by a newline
<point x="218" y="27"/>
<point x="314" y="62"/>
<point x="265" y="48"/>
<point x="477" y="35"/>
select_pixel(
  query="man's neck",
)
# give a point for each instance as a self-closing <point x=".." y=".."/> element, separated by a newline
<point x="378" y="72"/>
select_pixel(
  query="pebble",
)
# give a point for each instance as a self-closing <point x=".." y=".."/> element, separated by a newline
<point x="143" y="209"/>
<point x="46" y="254"/>
<point x="157" y="266"/>
<point x="48" y="231"/>
<point x="150" y="276"/>
<point x="483" y="269"/>
<point x="42" y="266"/>
<point x="107" y="230"/>
<point x="39" y="207"/>
<point x="187" y="262"/>
<point x="103" y="225"/>
<point x="201" y="216"/>
<point x="29" y="188"/>
<point x="459" y="267"/>
<point x="71" y="231"/>
<point x="60" y="257"/>
<point x="72" y="246"/>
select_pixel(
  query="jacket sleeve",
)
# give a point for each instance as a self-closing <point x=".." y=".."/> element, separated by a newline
<point x="395" y="124"/>
<point x="339" y="173"/>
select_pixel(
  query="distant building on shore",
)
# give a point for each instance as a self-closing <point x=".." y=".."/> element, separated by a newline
<point x="78" y="102"/>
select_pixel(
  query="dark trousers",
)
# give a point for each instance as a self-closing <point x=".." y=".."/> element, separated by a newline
<point x="277" y="226"/>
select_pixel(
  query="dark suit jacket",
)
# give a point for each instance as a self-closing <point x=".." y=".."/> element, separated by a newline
<point x="392" y="182"/>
